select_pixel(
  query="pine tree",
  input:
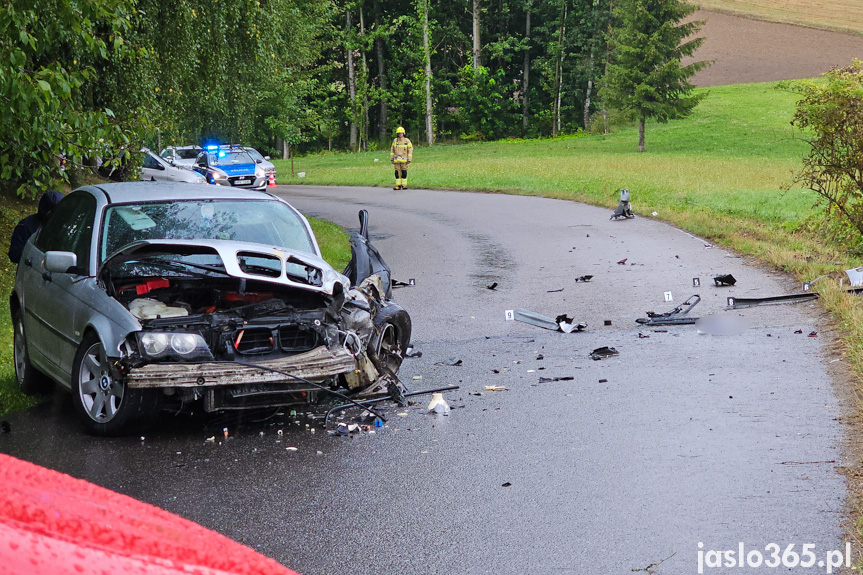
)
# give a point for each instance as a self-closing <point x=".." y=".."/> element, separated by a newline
<point x="645" y="78"/>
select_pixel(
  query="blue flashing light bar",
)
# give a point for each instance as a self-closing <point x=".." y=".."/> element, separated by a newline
<point x="212" y="147"/>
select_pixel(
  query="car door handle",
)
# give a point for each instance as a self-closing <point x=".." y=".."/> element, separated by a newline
<point x="46" y="276"/>
<point x="28" y="262"/>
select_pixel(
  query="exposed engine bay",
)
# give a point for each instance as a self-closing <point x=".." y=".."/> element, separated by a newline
<point x="279" y="331"/>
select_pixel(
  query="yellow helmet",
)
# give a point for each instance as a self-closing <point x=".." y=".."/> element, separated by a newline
<point x="400" y="130"/>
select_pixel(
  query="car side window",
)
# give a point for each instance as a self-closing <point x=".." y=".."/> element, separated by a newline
<point x="69" y="228"/>
<point x="152" y="163"/>
<point x="202" y="160"/>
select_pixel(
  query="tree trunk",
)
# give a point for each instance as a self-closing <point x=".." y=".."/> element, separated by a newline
<point x="428" y="74"/>
<point x="476" y="40"/>
<point x="641" y="134"/>
<point x="364" y="131"/>
<point x="558" y="76"/>
<point x="588" y="92"/>
<point x="526" y="76"/>
<point x="352" y="82"/>
<point x="379" y="49"/>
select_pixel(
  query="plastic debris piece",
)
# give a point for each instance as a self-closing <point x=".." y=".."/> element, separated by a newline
<point x="813" y="334"/>
<point x="677" y="316"/>
<point x="302" y="175"/>
<point x="622" y="262"/>
<point x="452" y="362"/>
<point x="583" y="279"/>
<point x="550" y="379"/>
<point x="411" y="352"/>
<point x="603" y="381"/>
<point x="624" y="209"/>
<point x="507" y="484"/>
<point x="554" y="290"/>
<point x="492" y="286"/>
<point x="642" y="336"/>
<point x="495" y="388"/>
<point x="724" y="280"/>
<point x="403" y="414"/>
<point x="417" y="377"/>
<point x="540" y="357"/>
<point x="654" y="214"/>
<point x="798" y="331"/>
<point x="855" y="276"/>
<point x="603" y="352"/>
<point x="211" y="439"/>
<point x="606" y="322"/>
<point x="569" y="325"/>
<point x="291" y="448"/>
<point x="438" y="404"/>
<point x="378" y="422"/>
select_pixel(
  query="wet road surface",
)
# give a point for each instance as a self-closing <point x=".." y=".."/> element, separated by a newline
<point x="682" y="438"/>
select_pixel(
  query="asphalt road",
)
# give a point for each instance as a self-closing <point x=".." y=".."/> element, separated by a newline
<point x="682" y="438"/>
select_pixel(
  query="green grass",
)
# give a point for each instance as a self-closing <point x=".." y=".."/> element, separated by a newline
<point x="332" y="240"/>
<point x="730" y="157"/>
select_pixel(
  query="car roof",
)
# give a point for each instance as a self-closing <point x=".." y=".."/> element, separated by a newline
<point x="130" y="192"/>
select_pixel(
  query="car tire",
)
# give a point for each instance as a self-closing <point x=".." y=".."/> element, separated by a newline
<point x="392" y="337"/>
<point x="31" y="381"/>
<point x="105" y="405"/>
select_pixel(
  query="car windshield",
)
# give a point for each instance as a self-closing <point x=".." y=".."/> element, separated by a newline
<point x="255" y="154"/>
<point x="268" y="222"/>
<point x="187" y="154"/>
<point x="226" y="158"/>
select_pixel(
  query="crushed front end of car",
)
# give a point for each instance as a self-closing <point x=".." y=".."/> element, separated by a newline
<point x="235" y="325"/>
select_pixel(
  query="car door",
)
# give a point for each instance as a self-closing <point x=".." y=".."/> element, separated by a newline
<point x="152" y="169"/>
<point x="52" y="298"/>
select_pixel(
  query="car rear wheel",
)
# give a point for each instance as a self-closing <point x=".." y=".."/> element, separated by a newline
<point x="104" y="403"/>
<point x="31" y="381"/>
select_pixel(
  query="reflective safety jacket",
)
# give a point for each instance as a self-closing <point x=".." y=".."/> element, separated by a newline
<point x="402" y="150"/>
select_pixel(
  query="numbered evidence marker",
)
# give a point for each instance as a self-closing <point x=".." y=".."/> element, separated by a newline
<point x="412" y="282"/>
<point x="807" y="286"/>
<point x="731" y="302"/>
<point x="668" y="296"/>
<point x="696" y="282"/>
<point x="510" y="315"/>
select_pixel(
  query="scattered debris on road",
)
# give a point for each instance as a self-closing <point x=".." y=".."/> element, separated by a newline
<point x="560" y="323"/>
<point x="622" y="262"/>
<point x="554" y="290"/>
<point x="453" y="362"/>
<point x="624" y="209"/>
<point x="582" y="279"/>
<point x="411" y="353"/>
<point x="724" y="280"/>
<point x="492" y="286"/>
<point x="438" y="405"/>
<point x="742" y="302"/>
<point x="561" y="378"/>
<point x="677" y="316"/>
<point x="603" y="352"/>
<point x="495" y="388"/>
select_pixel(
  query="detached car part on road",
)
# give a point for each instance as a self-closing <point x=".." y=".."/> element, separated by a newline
<point x="211" y="297"/>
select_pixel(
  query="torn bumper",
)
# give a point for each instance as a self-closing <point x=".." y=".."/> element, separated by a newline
<point x="316" y="365"/>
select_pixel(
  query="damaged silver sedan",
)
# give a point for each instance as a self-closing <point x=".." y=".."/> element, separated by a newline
<point x="138" y="297"/>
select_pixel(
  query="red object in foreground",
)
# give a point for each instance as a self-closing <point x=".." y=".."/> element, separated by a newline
<point x="54" y="524"/>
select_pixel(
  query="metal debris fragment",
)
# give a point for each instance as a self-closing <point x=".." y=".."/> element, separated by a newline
<point x="603" y="352"/>
<point x="677" y="316"/>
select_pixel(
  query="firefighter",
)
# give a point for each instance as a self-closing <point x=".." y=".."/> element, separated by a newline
<point x="401" y="154"/>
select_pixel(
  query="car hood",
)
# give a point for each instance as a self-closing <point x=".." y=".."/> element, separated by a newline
<point x="228" y="251"/>
<point x="237" y="169"/>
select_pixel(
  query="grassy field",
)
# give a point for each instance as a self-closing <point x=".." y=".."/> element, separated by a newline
<point x="332" y="239"/>
<point x="730" y="159"/>
<point x="841" y="15"/>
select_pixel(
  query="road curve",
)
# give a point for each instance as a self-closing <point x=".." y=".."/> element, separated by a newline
<point x="682" y="438"/>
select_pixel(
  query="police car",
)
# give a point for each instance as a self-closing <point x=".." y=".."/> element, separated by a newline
<point x="230" y="166"/>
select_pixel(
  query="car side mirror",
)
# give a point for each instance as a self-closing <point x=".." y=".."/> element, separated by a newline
<point x="61" y="262"/>
<point x="259" y="161"/>
<point x="267" y="158"/>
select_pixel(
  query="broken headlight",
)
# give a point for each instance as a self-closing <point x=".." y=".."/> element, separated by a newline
<point x="174" y="345"/>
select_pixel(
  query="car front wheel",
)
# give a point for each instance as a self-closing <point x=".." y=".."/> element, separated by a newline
<point x="104" y="403"/>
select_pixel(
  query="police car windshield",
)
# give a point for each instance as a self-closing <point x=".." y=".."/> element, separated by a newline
<point x="255" y="154"/>
<point x="227" y="158"/>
